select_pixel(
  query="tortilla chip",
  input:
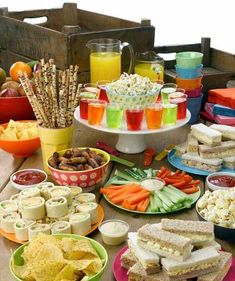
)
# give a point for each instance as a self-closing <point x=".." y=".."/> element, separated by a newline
<point x="77" y="249"/>
<point x="23" y="272"/>
<point x="46" y="271"/>
<point x="44" y="247"/>
<point x="68" y="273"/>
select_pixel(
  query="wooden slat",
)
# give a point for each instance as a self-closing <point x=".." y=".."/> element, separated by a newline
<point x="8" y="165"/>
<point x="178" y="48"/>
<point x="205" y="49"/>
<point x="34" y="42"/>
<point x="222" y="60"/>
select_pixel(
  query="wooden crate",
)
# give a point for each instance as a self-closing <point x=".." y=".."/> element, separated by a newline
<point x="65" y="33"/>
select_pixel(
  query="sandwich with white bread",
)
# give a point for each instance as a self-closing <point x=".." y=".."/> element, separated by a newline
<point x="206" y="135"/>
<point x="198" y="231"/>
<point x="137" y="273"/>
<point x="164" y="243"/>
<point x="228" y="132"/>
<point x="200" y="262"/>
<point x="128" y="259"/>
<point x="180" y="149"/>
<point x="225" y="149"/>
<point x="149" y="260"/>
<point x="224" y="266"/>
<point x="211" y="165"/>
<point x="229" y="162"/>
<point x="192" y="146"/>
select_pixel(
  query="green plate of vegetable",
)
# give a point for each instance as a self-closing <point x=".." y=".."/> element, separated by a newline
<point x="136" y="187"/>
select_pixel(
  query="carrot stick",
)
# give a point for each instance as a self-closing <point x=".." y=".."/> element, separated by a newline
<point x="179" y="184"/>
<point x="127" y="190"/>
<point x="165" y="174"/>
<point x="138" y="198"/>
<point x="133" y="207"/>
<point x="145" y="205"/>
<point x="114" y="187"/>
<point x="121" y="198"/>
<point x="187" y="186"/>
<point x="196" y="182"/>
<point x="140" y="205"/>
<point x="161" y="171"/>
<point x="190" y="190"/>
<point x="172" y="180"/>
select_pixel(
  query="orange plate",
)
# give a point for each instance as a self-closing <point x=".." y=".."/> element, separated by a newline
<point x="11" y="236"/>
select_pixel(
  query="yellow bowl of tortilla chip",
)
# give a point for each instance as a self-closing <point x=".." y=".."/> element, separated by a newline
<point x="59" y="257"/>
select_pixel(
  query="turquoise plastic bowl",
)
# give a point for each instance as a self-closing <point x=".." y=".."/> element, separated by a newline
<point x="18" y="260"/>
<point x="188" y="59"/>
<point x="189" y="73"/>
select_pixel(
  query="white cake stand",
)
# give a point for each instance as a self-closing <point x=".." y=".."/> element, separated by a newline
<point x="131" y="142"/>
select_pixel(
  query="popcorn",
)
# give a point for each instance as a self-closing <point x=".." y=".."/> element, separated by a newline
<point x="133" y="85"/>
<point x="218" y="207"/>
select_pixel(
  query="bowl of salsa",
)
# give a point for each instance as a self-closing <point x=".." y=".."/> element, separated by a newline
<point x="27" y="178"/>
<point x="220" y="180"/>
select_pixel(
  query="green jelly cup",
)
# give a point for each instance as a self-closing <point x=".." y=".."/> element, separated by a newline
<point x="169" y="114"/>
<point x="166" y="90"/>
<point x="114" y="115"/>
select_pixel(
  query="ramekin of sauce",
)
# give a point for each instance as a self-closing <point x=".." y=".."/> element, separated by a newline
<point x="114" y="232"/>
<point x="27" y="178"/>
<point x="220" y="180"/>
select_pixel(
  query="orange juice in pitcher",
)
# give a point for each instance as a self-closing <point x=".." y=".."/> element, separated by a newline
<point x="149" y="64"/>
<point x="105" y="63"/>
<point x="105" y="59"/>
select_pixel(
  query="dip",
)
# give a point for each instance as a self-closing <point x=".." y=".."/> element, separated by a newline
<point x="222" y="180"/>
<point x="28" y="177"/>
<point x="153" y="184"/>
<point x="114" y="232"/>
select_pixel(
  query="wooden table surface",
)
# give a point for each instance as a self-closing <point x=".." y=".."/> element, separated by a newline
<point x="88" y="137"/>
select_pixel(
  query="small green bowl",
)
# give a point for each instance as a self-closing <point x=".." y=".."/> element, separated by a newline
<point x="188" y="59"/>
<point x="18" y="260"/>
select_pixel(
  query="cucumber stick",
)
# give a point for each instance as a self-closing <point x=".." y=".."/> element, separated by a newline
<point x="124" y="176"/>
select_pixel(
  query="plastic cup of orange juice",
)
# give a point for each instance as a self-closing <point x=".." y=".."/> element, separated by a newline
<point x="96" y="109"/>
<point x="153" y="114"/>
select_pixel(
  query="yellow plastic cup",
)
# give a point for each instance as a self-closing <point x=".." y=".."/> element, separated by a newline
<point x="54" y="140"/>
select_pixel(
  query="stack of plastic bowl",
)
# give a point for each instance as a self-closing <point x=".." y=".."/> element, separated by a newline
<point x="189" y="77"/>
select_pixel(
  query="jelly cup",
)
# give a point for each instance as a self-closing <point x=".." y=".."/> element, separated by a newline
<point x="181" y="101"/>
<point x="166" y="90"/>
<point x="102" y="95"/>
<point x="179" y="92"/>
<point x="91" y="88"/>
<point x="114" y="115"/>
<point x="153" y="114"/>
<point x="83" y="107"/>
<point x="96" y="109"/>
<point x="169" y="114"/>
<point x="134" y="118"/>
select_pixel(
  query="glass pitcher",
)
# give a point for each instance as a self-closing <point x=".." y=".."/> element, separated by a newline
<point x="105" y="59"/>
<point x="149" y="64"/>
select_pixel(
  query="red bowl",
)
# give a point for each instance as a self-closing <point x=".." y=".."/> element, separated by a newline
<point x="16" y="108"/>
<point x="20" y="148"/>
<point x="84" y="179"/>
